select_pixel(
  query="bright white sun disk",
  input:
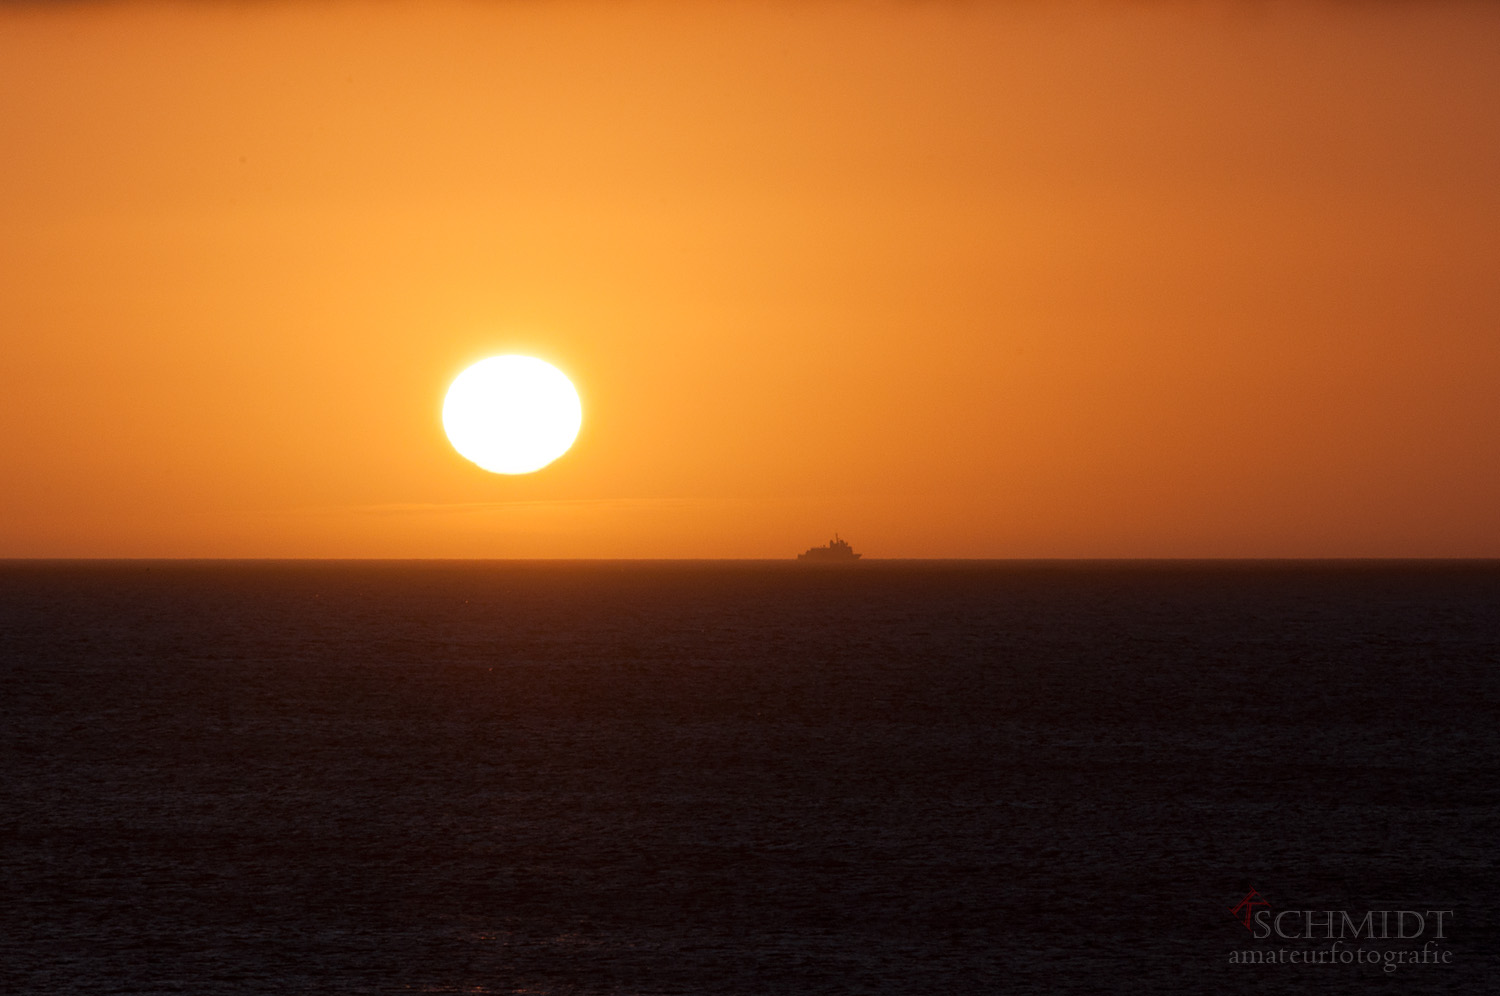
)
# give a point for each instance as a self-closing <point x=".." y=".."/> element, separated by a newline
<point x="512" y="414"/>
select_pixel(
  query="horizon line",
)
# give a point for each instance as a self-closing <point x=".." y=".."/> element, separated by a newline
<point x="763" y="560"/>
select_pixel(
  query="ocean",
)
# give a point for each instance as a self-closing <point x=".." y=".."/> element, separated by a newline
<point x="742" y="778"/>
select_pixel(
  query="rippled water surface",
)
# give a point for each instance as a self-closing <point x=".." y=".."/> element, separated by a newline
<point x="737" y="778"/>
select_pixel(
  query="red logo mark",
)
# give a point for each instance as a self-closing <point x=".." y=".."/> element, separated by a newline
<point x="1246" y="909"/>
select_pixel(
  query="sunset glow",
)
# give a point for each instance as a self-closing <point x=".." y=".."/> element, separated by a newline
<point x="957" y="280"/>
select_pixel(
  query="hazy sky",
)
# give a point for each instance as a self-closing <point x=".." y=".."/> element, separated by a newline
<point x="969" y="279"/>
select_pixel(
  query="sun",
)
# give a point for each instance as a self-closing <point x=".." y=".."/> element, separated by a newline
<point x="512" y="414"/>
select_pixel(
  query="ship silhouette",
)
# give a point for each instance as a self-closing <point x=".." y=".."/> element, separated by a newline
<point x="837" y="551"/>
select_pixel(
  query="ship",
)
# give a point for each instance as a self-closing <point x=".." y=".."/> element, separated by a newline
<point x="837" y="551"/>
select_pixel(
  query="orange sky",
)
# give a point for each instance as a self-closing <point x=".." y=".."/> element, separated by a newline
<point x="982" y="280"/>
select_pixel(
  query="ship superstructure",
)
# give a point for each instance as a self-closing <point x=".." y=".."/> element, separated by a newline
<point x="837" y="551"/>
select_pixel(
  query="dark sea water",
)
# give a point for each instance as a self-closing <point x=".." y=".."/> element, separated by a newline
<point x="740" y="778"/>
